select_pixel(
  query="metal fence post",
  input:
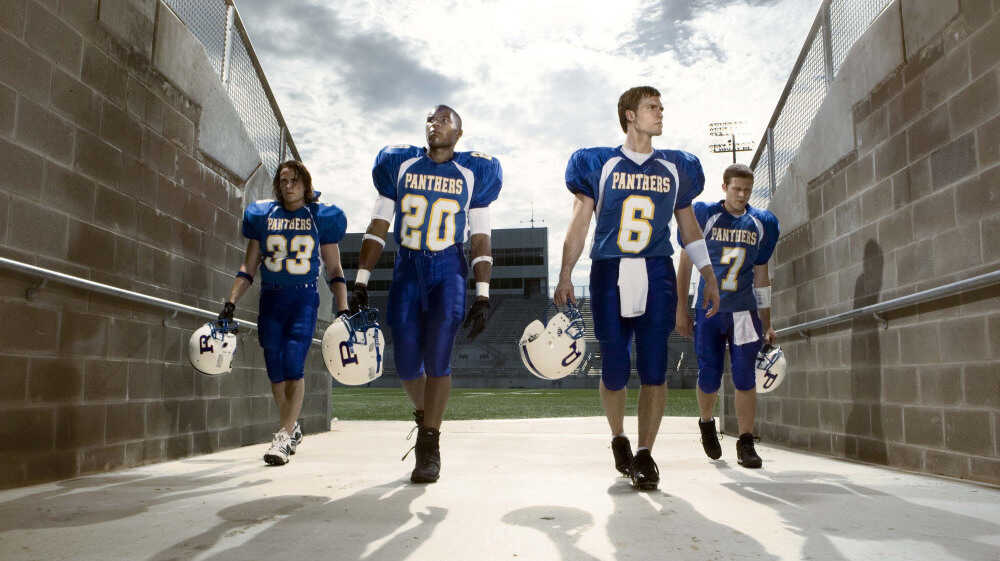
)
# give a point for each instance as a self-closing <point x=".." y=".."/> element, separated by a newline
<point x="770" y="161"/>
<point x="827" y="45"/>
<point x="227" y="51"/>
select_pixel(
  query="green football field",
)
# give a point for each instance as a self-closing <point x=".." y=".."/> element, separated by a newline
<point x="391" y="404"/>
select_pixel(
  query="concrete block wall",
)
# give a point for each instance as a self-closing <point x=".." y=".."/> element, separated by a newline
<point x="916" y="204"/>
<point x="105" y="179"/>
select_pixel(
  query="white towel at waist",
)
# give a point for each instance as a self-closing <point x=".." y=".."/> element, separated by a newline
<point x="743" y="329"/>
<point x="633" y="286"/>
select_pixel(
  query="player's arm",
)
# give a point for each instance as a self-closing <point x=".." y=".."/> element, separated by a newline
<point x="682" y="320"/>
<point x="762" y="290"/>
<point x="335" y="276"/>
<point x="371" y="250"/>
<point x="576" y="237"/>
<point x="694" y="246"/>
<point x="482" y="267"/>
<point x="244" y="278"/>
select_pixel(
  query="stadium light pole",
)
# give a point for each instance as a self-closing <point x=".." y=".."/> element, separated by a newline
<point x="728" y="128"/>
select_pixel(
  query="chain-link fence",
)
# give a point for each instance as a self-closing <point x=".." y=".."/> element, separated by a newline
<point x="218" y="26"/>
<point x="838" y="25"/>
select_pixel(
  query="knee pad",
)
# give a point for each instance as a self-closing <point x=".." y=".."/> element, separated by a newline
<point x="709" y="382"/>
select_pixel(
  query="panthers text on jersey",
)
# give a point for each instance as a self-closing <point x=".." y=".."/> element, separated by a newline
<point x="736" y="244"/>
<point x="432" y="199"/>
<point x="290" y="240"/>
<point x="634" y="203"/>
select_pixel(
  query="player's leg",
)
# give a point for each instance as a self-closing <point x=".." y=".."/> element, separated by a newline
<point x="743" y="359"/>
<point x="446" y="308"/>
<point x="404" y="317"/>
<point x="710" y="348"/>
<point x="298" y="338"/>
<point x="270" y="333"/>
<point x="652" y="329"/>
<point x="613" y="334"/>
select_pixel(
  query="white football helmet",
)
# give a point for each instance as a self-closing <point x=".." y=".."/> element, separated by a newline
<point x="554" y="350"/>
<point x="770" y="368"/>
<point x="352" y="348"/>
<point x="212" y="346"/>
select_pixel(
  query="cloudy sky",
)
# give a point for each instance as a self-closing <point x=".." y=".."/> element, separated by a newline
<point x="532" y="80"/>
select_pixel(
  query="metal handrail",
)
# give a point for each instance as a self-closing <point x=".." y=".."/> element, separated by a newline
<point x="71" y="280"/>
<point x="956" y="287"/>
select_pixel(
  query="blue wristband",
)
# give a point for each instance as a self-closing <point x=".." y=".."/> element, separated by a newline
<point x="243" y="275"/>
<point x="337" y="279"/>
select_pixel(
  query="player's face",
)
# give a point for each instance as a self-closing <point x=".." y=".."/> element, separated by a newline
<point x="292" y="189"/>
<point x="738" y="192"/>
<point x="441" y="129"/>
<point x="649" y="116"/>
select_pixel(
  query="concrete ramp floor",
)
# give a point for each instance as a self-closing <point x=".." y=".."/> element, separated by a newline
<point x="541" y="489"/>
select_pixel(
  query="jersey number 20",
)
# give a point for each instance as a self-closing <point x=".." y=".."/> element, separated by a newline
<point x="414" y="211"/>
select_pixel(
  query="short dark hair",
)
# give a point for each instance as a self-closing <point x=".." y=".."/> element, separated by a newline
<point x="737" y="170"/>
<point x="300" y="172"/>
<point x="457" y="117"/>
<point x="629" y="101"/>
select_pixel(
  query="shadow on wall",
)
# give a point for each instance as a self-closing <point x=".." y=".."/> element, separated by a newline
<point x="840" y="520"/>
<point x="865" y="438"/>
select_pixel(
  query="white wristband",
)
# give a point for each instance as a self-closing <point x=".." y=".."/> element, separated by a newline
<point x="486" y="258"/>
<point x="373" y="238"/>
<point x="363" y="276"/>
<point x="483" y="289"/>
<point x="698" y="252"/>
<point x="763" y="295"/>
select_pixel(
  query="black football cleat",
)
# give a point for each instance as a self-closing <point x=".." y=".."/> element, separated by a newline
<point x="745" y="453"/>
<point x="645" y="474"/>
<point x="428" y="454"/>
<point x="710" y="439"/>
<point x="622" y="449"/>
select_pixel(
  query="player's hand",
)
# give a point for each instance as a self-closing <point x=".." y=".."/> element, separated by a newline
<point x="684" y="326"/>
<point x="226" y="321"/>
<point x="564" y="293"/>
<point x="770" y="336"/>
<point x="227" y="312"/>
<point x="358" y="298"/>
<point x="710" y="294"/>
<point x="475" y="320"/>
<point x="337" y="313"/>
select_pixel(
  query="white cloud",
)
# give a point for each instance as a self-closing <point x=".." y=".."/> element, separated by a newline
<point x="533" y="82"/>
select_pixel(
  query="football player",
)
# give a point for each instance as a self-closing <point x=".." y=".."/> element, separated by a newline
<point x="434" y="197"/>
<point x="740" y="241"/>
<point x="286" y="237"/>
<point x="634" y="191"/>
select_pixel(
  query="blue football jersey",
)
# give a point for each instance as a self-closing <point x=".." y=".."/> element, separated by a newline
<point x="289" y="241"/>
<point x="634" y="203"/>
<point x="736" y="244"/>
<point x="432" y="199"/>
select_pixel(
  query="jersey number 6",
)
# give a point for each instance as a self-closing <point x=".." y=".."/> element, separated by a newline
<point x="414" y="211"/>
<point x="635" y="229"/>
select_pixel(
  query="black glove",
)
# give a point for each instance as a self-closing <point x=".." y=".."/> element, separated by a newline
<point x="337" y="314"/>
<point x="226" y="316"/>
<point x="358" y="298"/>
<point x="475" y="320"/>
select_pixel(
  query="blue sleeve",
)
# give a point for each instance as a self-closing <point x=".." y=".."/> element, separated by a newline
<point x="489" y="181"/>
<point x="578" y="174"/>
<point x="332" y="224"/>
<point x="701" y="214"/>
<point x="692" y="180"/>
<point x="385" y="171"/>
<point x="253" y="221"/>
<point x="771" y="234"/>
